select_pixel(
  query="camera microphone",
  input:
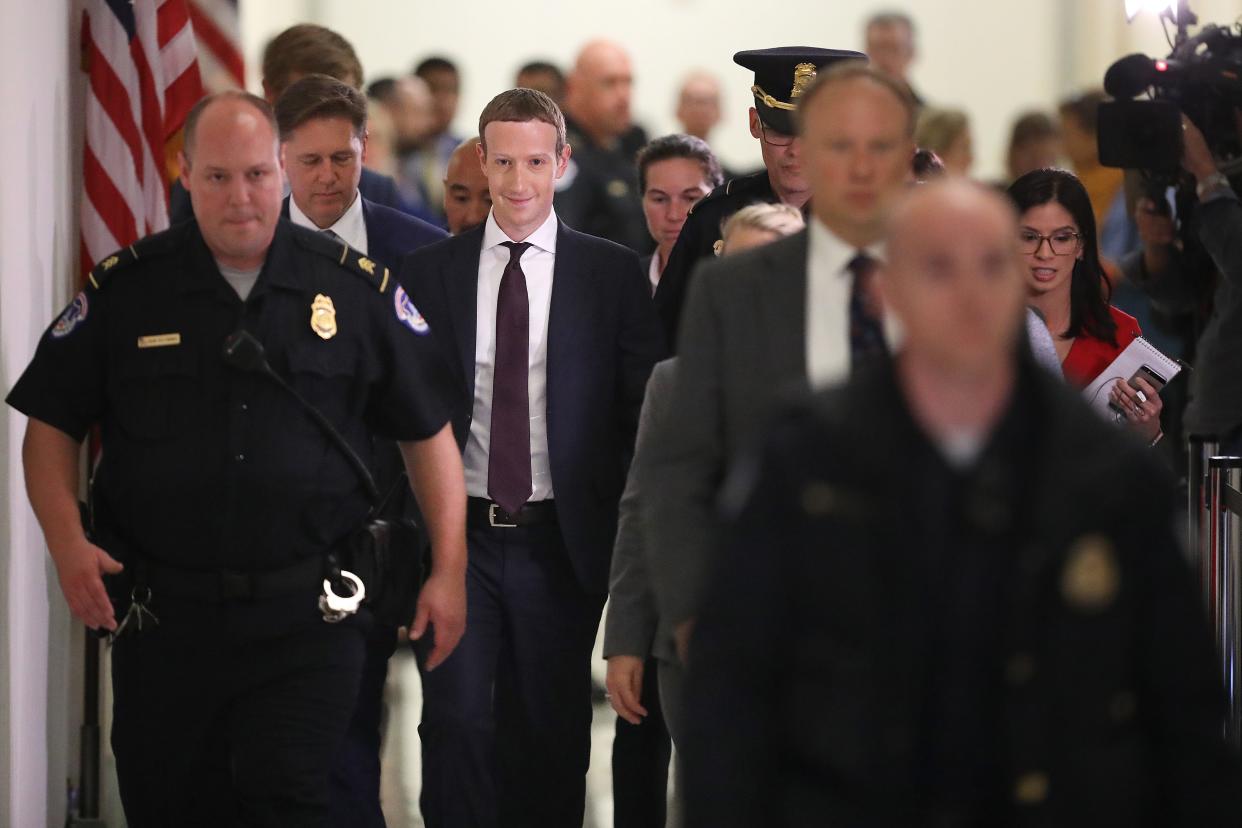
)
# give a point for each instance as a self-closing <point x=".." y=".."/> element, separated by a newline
<point x="1132" y="74"/>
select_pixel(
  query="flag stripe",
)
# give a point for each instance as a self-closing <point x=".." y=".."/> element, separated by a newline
<point x="222" y="45"/>
<point x="111" y="206"/>
<point x="144" y="78"/>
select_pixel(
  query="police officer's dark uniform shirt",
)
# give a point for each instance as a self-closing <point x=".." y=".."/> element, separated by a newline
<point x="894" y="639"/>
<point x="205" y="466"/>
<point x="599" y="192"/>
<point x="699" y="238"/>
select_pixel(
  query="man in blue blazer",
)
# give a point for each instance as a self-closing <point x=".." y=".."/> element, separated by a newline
<point x="323" y="137"/>
<point x="553" y="334"/>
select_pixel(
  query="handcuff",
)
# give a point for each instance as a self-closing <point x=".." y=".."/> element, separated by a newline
<point x="336" y="607"/>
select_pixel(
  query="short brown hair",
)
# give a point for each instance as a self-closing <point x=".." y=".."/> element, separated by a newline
<point x="307" y="49"/>
<point x="191" y="120"/>
<point x="319" y="96"/>
<point x="679" y="146"/>
<point x="523" y="105"/>
<point x="848" y="70"/>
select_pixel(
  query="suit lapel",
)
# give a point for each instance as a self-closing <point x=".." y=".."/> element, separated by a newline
<point x="461" y="286"/>
<point x="782" y="299"/>
<point x="375" y="248"/>
<point x="566" y="311"/>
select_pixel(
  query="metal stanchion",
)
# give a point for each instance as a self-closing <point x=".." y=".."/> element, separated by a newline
<point x="1198" y="527"/>
<point x="1225" y="545"/>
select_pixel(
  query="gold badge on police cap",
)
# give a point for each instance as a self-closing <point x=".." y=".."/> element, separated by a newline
<point x="804" y="73"/>
<point x="1092" y="575"/>
<point x="323" y="317"/>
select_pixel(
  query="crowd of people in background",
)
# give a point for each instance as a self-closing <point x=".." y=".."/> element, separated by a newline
<point x="913" y="592"/>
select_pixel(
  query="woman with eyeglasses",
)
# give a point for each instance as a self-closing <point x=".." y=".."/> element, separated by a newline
<point x="1066" y="284"/>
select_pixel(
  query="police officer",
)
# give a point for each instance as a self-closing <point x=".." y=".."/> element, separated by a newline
<point x="599" y="193"/>
<point x="218" y="499"/>
<point x="781" y="74"/>
<point x="951" y="595"/>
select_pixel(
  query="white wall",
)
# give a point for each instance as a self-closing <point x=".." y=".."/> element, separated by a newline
<point x="994" y="58"/>
<point x="38" y="242"/>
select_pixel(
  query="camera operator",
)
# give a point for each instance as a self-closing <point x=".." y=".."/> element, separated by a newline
<point x="1160" y="268"/>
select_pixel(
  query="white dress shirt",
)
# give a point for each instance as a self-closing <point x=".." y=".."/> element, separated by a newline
<point x="350" y="227"/>
<point x="537" y="264"/>
<point x="828" y="285"/>
<point x="653" y="272"/>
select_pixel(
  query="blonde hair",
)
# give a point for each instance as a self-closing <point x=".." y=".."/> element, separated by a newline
<point x="937" y="129"/>
<point x="779" y="219"/>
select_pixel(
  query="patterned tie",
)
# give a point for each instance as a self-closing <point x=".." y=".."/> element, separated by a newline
<point x="508" y="460"/>
<point x="866" y="327"/>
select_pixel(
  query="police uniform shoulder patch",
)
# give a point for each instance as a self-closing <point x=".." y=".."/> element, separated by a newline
<point x="407" y="314"/>
<point x="71" y="317"/>
<point x="345" y="256"/>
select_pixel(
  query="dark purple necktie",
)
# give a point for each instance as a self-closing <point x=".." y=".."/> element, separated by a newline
<point x="866" y="327"/>
<point x="508" y="459"/>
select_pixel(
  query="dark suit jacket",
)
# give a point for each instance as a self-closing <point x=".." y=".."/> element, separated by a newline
<point x="603" y="338"/>
<point x="813" y="643"/>
<point x="391" y="234"/>
<point x="743" y="339"/>
<point x="375" y="187"/>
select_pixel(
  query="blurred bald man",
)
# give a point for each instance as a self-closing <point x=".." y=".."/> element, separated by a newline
<point x="698" y="104"/>
<point x="467" y="200"/>
<point x="599" y="193"/>
<point x="933" y="604"/>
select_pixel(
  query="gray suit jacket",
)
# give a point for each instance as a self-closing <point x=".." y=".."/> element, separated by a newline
<point x="743" y="340"/>
<point x="632" y="621"/>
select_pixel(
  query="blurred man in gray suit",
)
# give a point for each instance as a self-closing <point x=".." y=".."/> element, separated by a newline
<point x="796" y="312"/>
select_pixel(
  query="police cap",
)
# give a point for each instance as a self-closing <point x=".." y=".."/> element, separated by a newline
<point x="783" y="74"/>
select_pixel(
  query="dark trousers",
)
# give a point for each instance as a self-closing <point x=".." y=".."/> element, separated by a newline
<point x="356" y="777"/>
<point x="232" y="714"/>
<point x="640" y="757"/>
<point x="506" y="728"/>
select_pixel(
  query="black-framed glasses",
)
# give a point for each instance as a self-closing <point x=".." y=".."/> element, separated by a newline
<point x="1061" y="243"/>
<point x="774" y="138"/>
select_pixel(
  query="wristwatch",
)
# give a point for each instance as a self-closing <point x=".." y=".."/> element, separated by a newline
<point x="1209" y="183"/>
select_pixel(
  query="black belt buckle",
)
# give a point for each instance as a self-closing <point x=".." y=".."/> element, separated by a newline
<point x="492" y="509"/>
<point x="236" y="585"/>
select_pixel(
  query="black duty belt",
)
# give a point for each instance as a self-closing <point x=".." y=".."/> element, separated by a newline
<point x="218" y="586"/>
<point x="481" y="512"/>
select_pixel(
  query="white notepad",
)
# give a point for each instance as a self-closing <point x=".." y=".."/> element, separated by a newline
<point x="1138" y="353"/>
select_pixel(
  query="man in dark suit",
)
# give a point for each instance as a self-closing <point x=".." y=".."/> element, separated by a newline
<point x="323" y="137"/>
<point x="951" y="595"/>
<point x="554" y="335"/>
<point x="795" y="312"/>
<point x="306" y="49"/>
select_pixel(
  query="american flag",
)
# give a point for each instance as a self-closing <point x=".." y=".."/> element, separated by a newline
<point x="218" y="32"/>
<point x="140" y="56"/>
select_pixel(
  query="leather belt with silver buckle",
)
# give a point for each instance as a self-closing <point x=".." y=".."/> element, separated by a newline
<point x="483" y="512"/>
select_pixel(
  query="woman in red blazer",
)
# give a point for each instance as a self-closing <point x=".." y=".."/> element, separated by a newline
<point x="1066" y="284"/>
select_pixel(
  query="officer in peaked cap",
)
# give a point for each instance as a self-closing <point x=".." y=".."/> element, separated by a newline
<point x="781" y="75"/>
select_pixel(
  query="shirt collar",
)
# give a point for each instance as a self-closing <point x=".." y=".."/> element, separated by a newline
<point x="350" y="227"/>
<point x="543" y="238"/>
<point x="835" y="254"/>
